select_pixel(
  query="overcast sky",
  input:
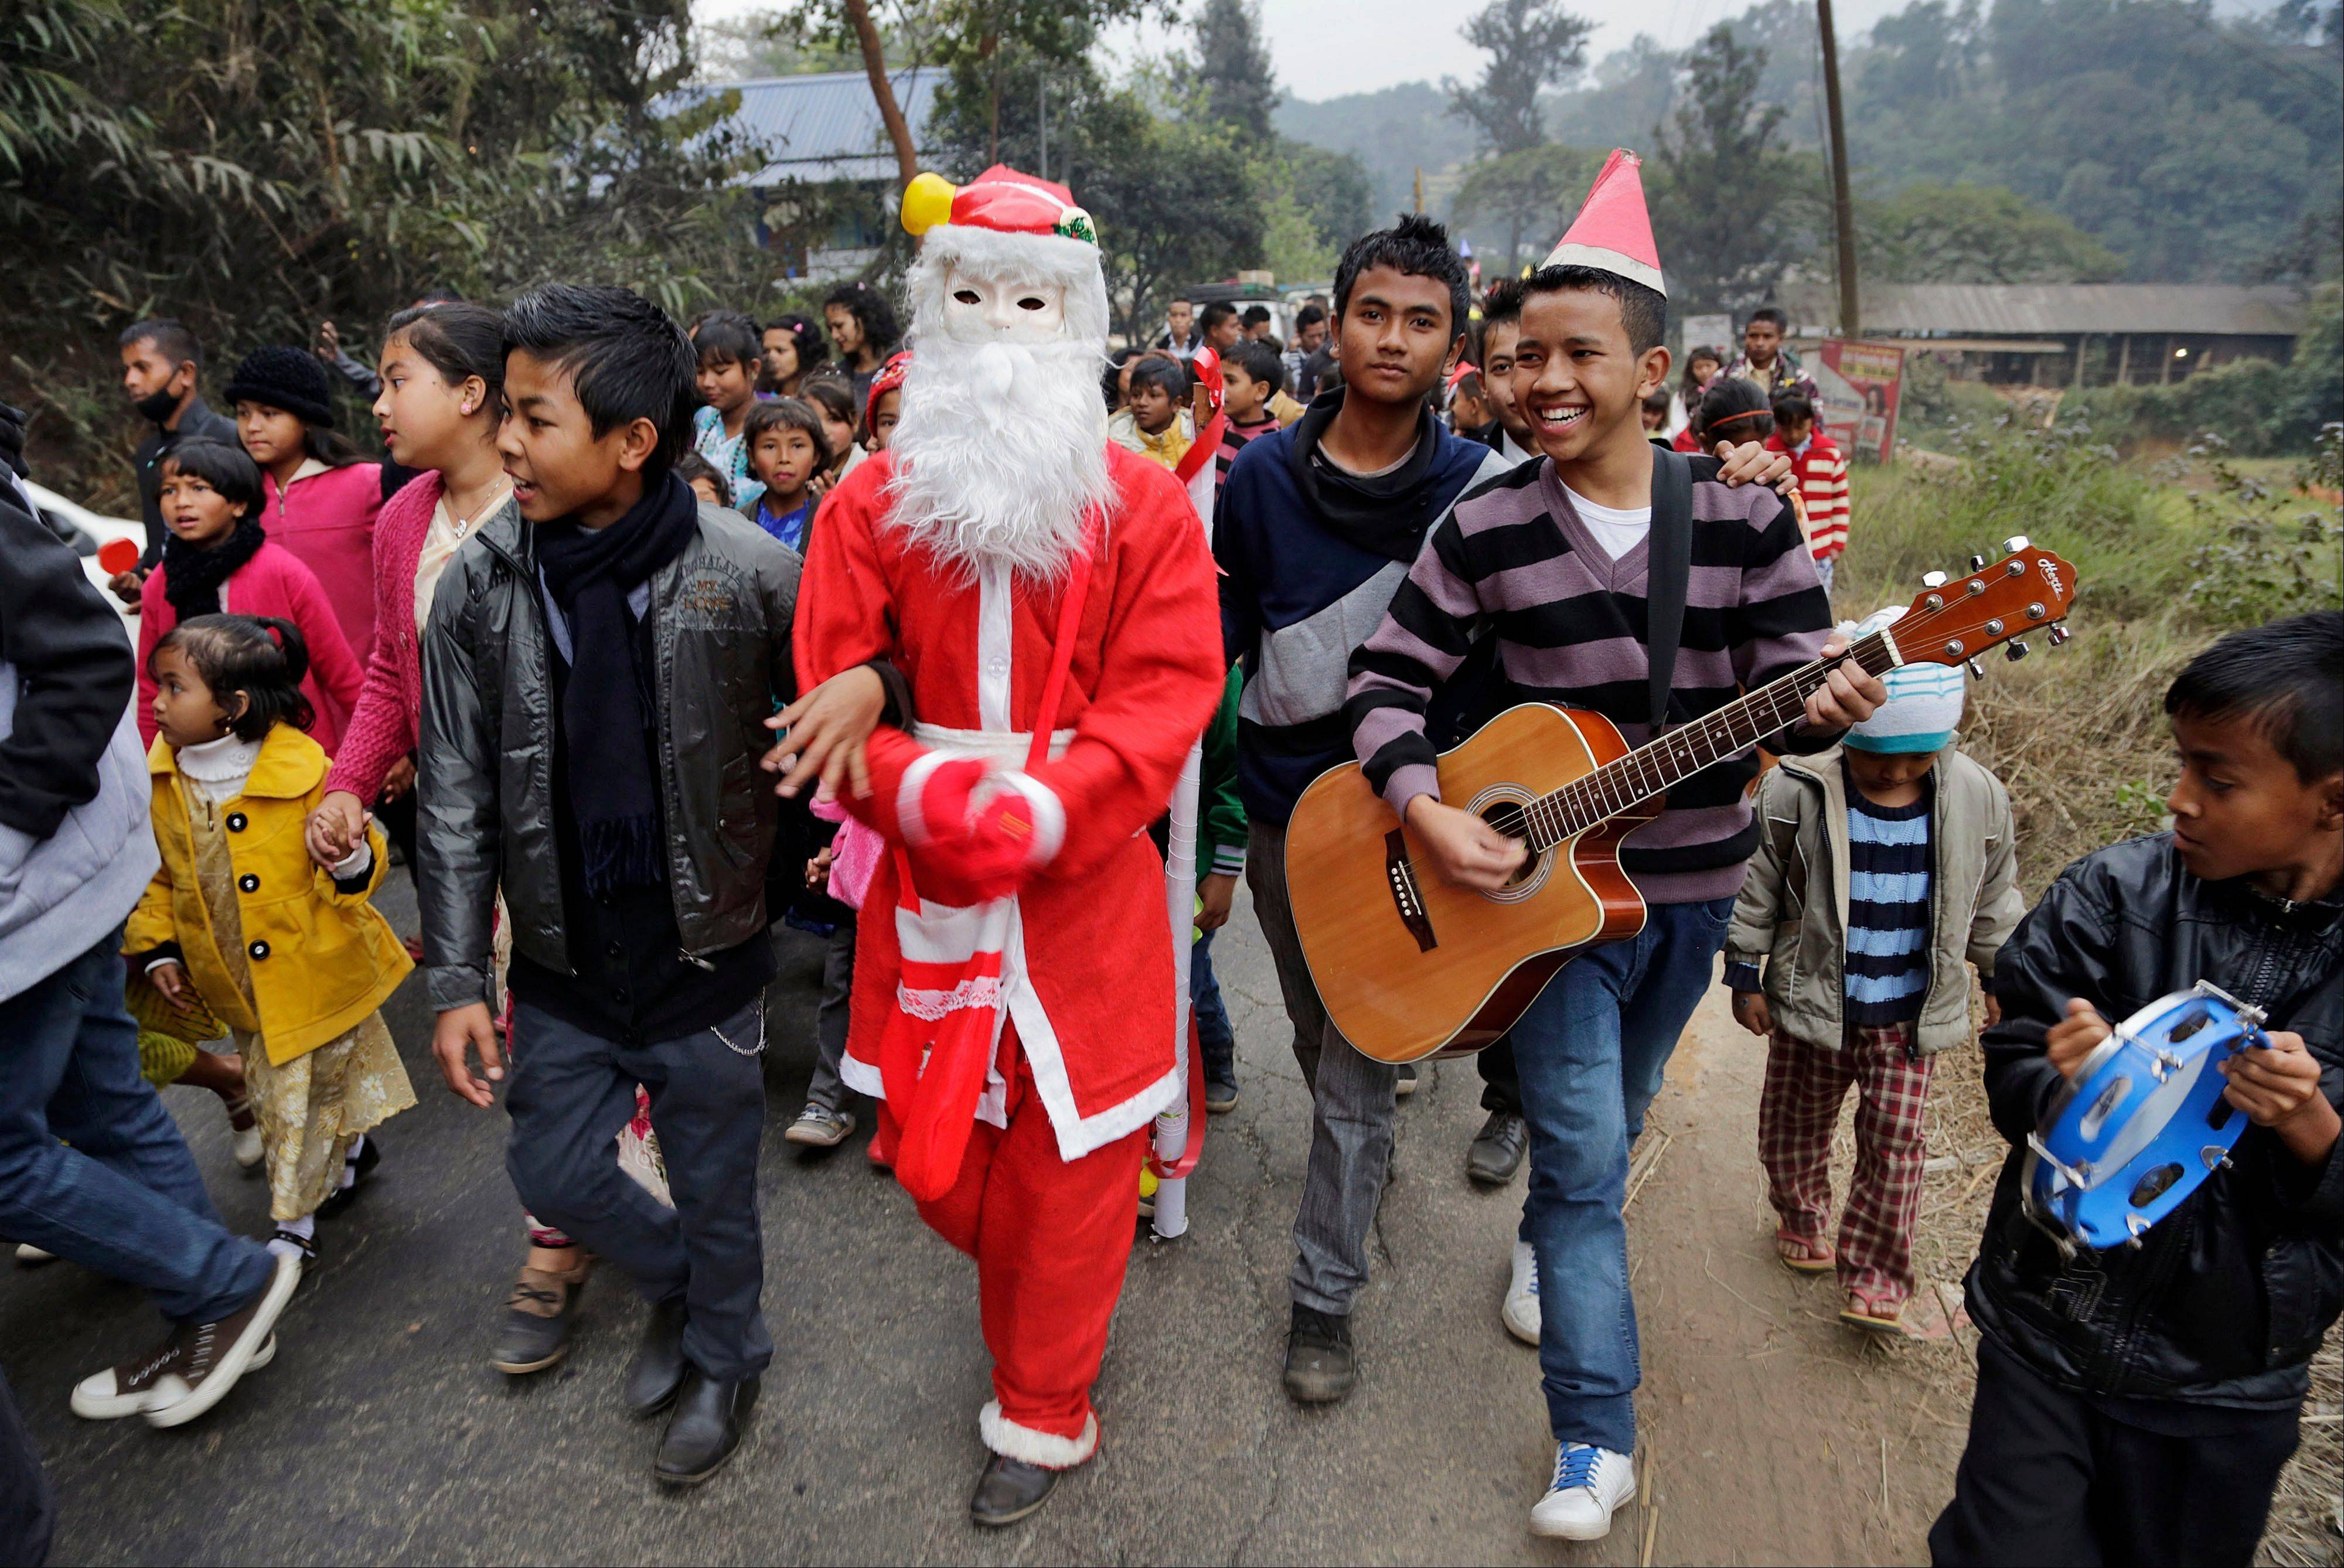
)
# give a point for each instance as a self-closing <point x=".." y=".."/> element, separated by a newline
<point x="1323" y="48"/>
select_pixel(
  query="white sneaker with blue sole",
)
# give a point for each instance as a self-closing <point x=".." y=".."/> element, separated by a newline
<point x="1590" y="1484"/>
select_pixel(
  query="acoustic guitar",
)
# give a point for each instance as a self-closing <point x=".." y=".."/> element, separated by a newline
<point x="1411" y="964"/>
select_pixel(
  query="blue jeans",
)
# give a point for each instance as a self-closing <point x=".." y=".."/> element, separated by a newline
<point x="1219" y="1040"/>
<point x="120" y="1194"/>
<point x="1591" y="1052"/>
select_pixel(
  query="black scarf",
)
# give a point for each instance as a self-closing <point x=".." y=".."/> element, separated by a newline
<point x="193" y="575"/>
<point x="604" y="719"/>
<point x="1388" y="513"/>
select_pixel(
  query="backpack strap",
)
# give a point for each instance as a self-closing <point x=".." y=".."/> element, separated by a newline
<point x="1671" y="557"/>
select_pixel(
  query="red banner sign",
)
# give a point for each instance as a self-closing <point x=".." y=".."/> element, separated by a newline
<point x="1860" y="383"/>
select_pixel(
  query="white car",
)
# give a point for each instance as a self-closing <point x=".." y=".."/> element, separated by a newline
<point x="87" y="530"/>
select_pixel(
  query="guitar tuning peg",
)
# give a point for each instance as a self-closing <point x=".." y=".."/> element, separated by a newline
<point x="1978" y="671"/>
<point x="1977" y="564"/>
<point x="1933" y="579"/>
<point x="2059" y="634"/>
<point x="2015" y="543"/>
<point x="2016" y="651"/>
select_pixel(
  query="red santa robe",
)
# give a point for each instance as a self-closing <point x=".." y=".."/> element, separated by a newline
<point x="1043" y="1196"/>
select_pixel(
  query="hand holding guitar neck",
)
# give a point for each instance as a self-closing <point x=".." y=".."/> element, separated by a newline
<point x="1849" y="694"/>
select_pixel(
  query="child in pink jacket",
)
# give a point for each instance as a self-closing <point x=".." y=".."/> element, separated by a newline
<point x="216" y="558"/>
<point x="319" y="500"/>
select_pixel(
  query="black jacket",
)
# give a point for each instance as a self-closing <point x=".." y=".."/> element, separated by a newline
<point x="2226" y="1299"/>
<point x="64" y="650"/>
<point x="720" y="625"/>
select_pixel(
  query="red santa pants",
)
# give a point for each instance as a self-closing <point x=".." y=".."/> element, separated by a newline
<point x="1051" y="1238"/>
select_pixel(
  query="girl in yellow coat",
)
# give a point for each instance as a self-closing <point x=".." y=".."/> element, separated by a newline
<point x="290" y="955"/>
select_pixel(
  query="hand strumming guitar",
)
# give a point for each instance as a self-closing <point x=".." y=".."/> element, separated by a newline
<point x="1462" y="847"/>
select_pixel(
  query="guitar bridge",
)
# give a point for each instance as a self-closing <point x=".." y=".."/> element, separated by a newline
<point x="1401" y="876"/>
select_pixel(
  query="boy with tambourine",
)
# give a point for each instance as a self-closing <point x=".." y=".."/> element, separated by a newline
<point x="2136" y="1404"/>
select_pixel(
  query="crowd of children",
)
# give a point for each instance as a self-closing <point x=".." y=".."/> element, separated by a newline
<point x="1427" y="508"/>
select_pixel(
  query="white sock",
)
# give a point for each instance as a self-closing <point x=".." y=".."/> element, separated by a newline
<point x="350" y="1161"/>
<point x="306" y="1228"/>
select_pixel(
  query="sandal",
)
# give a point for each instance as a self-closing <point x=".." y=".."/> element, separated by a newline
<point x="1871" y="1313"/>
<point x="1802" y="1255"/>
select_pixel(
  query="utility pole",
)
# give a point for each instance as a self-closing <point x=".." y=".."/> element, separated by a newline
<point x="1419" y="187"/>
<point x="1042" y="119"/>
<point x="1851" y="321"/>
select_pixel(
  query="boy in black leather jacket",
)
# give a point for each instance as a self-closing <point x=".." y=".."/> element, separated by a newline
<point x="2136" y="1405"/>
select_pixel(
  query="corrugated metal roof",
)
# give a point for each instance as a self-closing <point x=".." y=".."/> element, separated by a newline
<point x="826" y="126"/>
<point x="2032" y="309"/>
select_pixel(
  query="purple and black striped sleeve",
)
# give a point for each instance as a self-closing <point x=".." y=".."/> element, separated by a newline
<point x="1425" y="635"/>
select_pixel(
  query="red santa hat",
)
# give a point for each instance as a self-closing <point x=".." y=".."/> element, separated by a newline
<point x="1613" y="233"/>
<point x="1004" y="224"/>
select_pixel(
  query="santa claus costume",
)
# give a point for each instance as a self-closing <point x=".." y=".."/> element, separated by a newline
<point x="1051" y="600"/>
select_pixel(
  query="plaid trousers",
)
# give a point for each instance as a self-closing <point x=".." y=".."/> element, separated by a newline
<point x="1797" y="1112"/>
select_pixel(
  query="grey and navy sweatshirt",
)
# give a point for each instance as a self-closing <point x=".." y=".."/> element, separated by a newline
<point x="1309" y="558"/>
<point x="1513" y="561"/>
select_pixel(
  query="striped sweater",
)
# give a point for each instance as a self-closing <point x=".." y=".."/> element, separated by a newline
<point x="1821" y="472"/>
<point x="1888" y="855"/>
<point x="1513" y="559"/>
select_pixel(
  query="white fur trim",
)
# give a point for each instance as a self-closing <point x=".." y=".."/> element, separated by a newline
<point x="1050" y="814"/>
<point x="1602" y="260"/>
<point x="995" y="598"/>
<point x="1010" y="1441"/>
<point x="1077" y="1135"/>
<point x="862" y="1077"/>
<point x="1009" y="747"/>
<point x="991" y="254"/>
<point x="914" y="782"/>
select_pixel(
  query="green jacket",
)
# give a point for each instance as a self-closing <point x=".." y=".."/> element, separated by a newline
<point x="1220" y="814"/>
<point x="1791" y="917"/>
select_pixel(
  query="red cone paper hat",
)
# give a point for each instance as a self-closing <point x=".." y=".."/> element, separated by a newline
<point x="1612" y="232"/>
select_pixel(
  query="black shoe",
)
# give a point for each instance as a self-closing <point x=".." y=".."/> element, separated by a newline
<point x="706" y="1428"/>
<point x="1220" y="1095"/>
<point x="1497" y="1151"/>
<point x="1007" y="1490"/>
<point x="534" y="1333"/>
<point x="341" y="1198"/>
<point x="657" y="1371"/>
<point x="1320" y="1365"/>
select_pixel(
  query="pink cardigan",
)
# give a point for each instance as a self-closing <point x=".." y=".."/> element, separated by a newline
<point x="382" y="728"/>
<point x="327" y="521"/>
<point x="273" y="583"/>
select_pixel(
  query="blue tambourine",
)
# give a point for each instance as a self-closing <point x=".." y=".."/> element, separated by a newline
<point x="2141" y="1122"/>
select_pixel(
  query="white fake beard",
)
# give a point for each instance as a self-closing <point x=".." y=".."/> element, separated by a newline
<point x="1000" y="452"/>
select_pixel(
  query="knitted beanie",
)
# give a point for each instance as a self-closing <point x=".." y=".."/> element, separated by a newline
<point x="1924" y="701"/>
<point x="285" y="378"/>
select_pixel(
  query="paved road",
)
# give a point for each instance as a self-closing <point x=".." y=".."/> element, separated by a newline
<point x="381" y="1434"/>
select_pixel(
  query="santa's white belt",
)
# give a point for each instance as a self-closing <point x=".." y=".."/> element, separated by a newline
<point x="1010" y="746"/>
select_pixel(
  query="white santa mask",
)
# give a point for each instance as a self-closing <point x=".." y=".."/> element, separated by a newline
<point x="1001" y="450"/>
<point x="993" y="310"/>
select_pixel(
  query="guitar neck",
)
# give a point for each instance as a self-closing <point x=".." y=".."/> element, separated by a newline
<point x="1665" y="761"/>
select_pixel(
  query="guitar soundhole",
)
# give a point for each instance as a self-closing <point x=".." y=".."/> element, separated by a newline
<point x="1506" y="817"/>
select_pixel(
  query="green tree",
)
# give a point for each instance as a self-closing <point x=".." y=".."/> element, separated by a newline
<point x="1233" y="66"/>
<point x="1929" y="233"/>
<point x="1532" y="44"/>
<point x="253" y="168"/>
<point x="1528" y="194"/>
<point x="1333" y="188"/>
<point x="1727" y="191"/>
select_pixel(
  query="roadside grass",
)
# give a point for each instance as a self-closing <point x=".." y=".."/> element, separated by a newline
<point x="2169" y="555"/>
